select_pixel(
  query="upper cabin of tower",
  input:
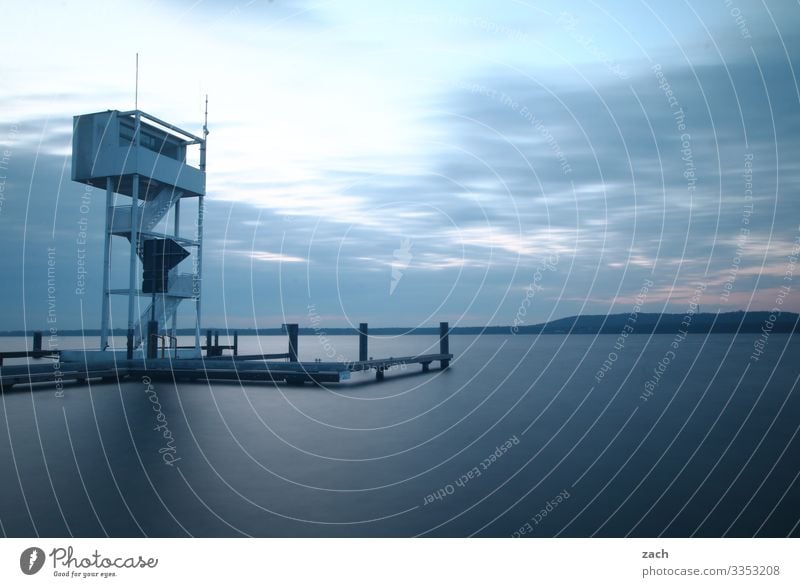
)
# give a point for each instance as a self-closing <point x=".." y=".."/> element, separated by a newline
<point x="106" y="144"/>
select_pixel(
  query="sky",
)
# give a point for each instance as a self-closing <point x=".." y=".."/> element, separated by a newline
<point x="405" y="163"/>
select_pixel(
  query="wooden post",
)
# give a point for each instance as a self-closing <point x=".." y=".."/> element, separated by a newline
<point x="292" y="331"/>
<point x="363" y="331"/>
<point x="235" y="343"/>
<point x="444" y="343"/>
<point x="37" y="341"/>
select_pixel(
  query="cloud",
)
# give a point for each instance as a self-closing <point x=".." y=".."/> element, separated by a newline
<point x="494" y="139"/>
<point x="268" y="257"/>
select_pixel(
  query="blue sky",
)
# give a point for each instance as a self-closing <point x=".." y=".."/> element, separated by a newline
<point x="402" y="163"/>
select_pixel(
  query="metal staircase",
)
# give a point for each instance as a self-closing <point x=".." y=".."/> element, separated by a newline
<point x="150" y="213"/>
<point x="154" y="210"/>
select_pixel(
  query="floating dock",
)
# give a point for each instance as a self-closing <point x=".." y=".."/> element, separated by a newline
<point x="68" y="366"/>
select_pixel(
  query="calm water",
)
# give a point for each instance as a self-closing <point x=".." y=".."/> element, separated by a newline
<point x="713" y="451"/>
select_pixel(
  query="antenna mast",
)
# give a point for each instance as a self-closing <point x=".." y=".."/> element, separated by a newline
<point x="205" y="121"/>
<point x="136" y="94"/>
<point x="205" y="135"/>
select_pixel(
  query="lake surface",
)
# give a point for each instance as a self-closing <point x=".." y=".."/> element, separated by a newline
<point x="521" y="436"/>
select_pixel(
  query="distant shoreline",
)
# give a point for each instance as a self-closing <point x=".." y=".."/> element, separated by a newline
<point x="644" y="323"/>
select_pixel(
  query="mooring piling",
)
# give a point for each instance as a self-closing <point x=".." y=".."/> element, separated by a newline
<point x="444" y="343"/>
<point x="363" y="350"/>
<point x="129" y="344"/>
<point x="152" y="339"/>
<point x="213" y="350"/>
<point x="292" y="330"/>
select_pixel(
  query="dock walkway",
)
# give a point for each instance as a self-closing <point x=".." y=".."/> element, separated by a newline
<point x="211" y="368"/>
<point x="214" y="366"/>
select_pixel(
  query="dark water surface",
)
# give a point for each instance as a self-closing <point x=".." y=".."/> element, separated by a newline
<point x="713" y="451"/>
